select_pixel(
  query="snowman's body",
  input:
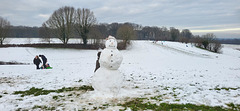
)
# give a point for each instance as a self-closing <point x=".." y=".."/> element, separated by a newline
<point x="107" y="79"/>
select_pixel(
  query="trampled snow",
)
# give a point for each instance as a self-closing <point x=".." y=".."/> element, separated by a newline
<point x="180" y="72"/>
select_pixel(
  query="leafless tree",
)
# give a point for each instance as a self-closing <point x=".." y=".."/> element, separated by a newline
<point x="217" y="47"/>
<point x="85" y="19"/>
<point x="95" y="34"/>
<point x="45" y="33"/>
<point x="126" y="32"/>
<point x="4" y="29"/>
<point x="185" y="35"/>
<point x="165" y="34"/>
<point x="174" y="33"/>
<point x="207" y="39"/>
<point x="62" y="23"/>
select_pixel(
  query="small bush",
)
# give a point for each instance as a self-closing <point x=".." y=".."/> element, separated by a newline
<point x="217" y="47"/>
<point x="122" y="46"/>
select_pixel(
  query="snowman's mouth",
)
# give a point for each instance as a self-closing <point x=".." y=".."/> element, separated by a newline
<point x="111" y="45"/>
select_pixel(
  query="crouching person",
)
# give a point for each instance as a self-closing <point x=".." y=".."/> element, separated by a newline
<point x="44" y="59"/>
<point x="48" y="66"/>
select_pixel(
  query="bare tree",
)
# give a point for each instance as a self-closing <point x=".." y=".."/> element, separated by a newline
<point x="217" y="47"/>
<point x="126" y="32"/>
<point x="207" y="39"/>
<point x="185" y="35"/>
<point x="61" y="23"/>
<point x="44" y="33"/>
<point x="85" y="19"/>
<point x="165" y="34"/>
<point x="197" y="40"/>
<point x="174" y="33"/>
<point x="112" y="29"/>
<point x="95" y="34"/>
<point x="4" y="29"/>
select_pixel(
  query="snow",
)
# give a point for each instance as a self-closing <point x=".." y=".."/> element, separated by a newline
<point x="149" y="69"/>
<point x="40" y="40"/>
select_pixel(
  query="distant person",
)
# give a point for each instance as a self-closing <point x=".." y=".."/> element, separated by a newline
<point x="44" y="59"/>
<point x="37" y="61"/>
<point x="97" y="61"/>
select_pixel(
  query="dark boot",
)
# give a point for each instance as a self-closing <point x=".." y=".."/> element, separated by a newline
<point x="37" y="66"/>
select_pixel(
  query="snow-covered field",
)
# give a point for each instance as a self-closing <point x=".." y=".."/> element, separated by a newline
<point x="180" y="72"/>
<point x="36" y="40"/>
<point x="40" y="40"/>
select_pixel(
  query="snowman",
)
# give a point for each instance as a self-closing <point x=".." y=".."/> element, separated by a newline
<point x="107" y="79"/>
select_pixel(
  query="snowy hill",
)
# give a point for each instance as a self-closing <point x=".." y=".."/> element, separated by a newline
<point x="180" y="72"/>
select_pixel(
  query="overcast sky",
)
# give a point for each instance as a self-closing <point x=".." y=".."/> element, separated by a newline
<point x="221" y="17"/>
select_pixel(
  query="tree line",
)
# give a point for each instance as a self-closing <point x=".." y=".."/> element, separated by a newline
<point x="67" y="22"/>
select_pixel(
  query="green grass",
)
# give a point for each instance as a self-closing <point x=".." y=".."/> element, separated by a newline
<point x="139" y="104"/>
<point x="157" y="98"/>
<point x="235" y="107"/>
<point x="20" y="109"/>
<point x="40" y="91"/>
<point x="43" y="107"/>
<point x="166" y="88"/>
<point x="55" y="97"/>
<point x="80" y="80"/>
<point x="206" y="49"/>
<point x="225" y="88"/>
<point x="19" y="99"/>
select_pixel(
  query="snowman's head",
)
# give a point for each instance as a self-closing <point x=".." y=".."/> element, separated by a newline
<point x="111" y="42"/>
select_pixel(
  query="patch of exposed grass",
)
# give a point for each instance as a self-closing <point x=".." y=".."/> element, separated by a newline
<point x="34" y="91"/>
<point x="205" y="49"/>
<point x="177" y="100"/>
<point x="166" y="88"/>
<point x="235" y="107"/>
<point x="20" y="109"/>
<point x="55" y="97"/>
<point x="43" y="107"/>
<point x="225" y="88"/>
<point x="19" y="99"/>
<point x="138" y="104"/>
<point x="40" y="91"/>
<point x="80" y="80"/>
<point x="158" y="98"/>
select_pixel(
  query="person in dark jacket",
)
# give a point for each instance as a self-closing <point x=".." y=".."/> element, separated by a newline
<point x="44" y="59"/>
<point x="37" y="61"/>
<point x="97" y="62"/>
